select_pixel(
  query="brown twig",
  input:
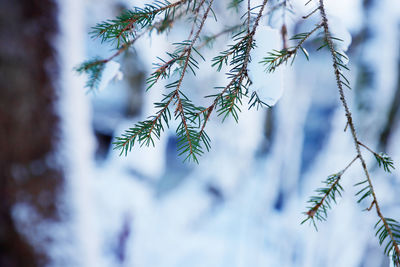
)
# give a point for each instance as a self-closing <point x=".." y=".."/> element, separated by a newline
<point x="314" y="209"/>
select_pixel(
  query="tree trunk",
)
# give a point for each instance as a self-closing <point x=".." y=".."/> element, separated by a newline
<point x="30" y="180"/>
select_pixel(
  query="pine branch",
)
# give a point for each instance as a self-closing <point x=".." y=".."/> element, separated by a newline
<point x="188" y="144"/>
<point x="125" y="26"/>
<point x="163" y="69"/>
<point x="189" y="140"/>
<point x="326" y="196"/>
<point x="389" y="228"/>
<point x="94" y="68"/>
<point x="279" y="57"/>
<point x="192" y="138"/>
<point x="383" y="160"/>
<point x="144" y="132"/>
<point x="228" y="101"/>
<point x="239" y="79"/>
<point x="336" y="67"/>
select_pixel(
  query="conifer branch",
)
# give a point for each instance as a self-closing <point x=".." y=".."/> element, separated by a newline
<point x="386" y="226"/>
<point x="124" y="31"/>
<point x="239" y="80"/>
<point x="192" y="137"/>
<point x="164" y="68"/>
<point x="180" y="109"/>
<point x="326" y="195"/>
<point x="279" y="57"/>
<point x="189" y="140"/>
<point x="125" y="26"/>
<point x="93" y="69"/>
<point x="143" y="132"/>
<point x="383" y="160"/>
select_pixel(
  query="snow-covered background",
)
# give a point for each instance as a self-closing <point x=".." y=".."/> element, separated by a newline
<point x="242" y="205"/>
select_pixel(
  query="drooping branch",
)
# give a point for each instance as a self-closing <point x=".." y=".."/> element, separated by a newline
<point x="188" y="142"/>
<point x="336" y="64"/>
<point x="125" y="26"/>
<point x="192" y="138"/>
<point x="279" y="57"/>
<point x="326" y="195"/>
<point x="237" y="75"/>
<point x="179" y="105"/>
<point x="383" y="160"/>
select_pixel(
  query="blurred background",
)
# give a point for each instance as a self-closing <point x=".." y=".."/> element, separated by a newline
<point x="68" y="199"/>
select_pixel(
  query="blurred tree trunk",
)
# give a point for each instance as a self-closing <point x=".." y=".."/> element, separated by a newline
<point x="393" y="113"/>
<point x="30" y="180"/>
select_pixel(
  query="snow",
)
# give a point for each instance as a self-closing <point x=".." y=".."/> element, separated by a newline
<point x="339" y="30"/>
<point x="77" y="146"/>
<point x="111" y="72"/>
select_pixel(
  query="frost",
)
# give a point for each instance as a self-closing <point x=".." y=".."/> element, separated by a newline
<point x="267" y="85"/>
<point x="111" y="72"/>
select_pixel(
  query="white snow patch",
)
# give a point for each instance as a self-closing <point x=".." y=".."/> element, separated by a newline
<point x="111" y="72"/>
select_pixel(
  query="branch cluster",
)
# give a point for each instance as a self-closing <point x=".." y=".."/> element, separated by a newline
<point x="124" y="30"/>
